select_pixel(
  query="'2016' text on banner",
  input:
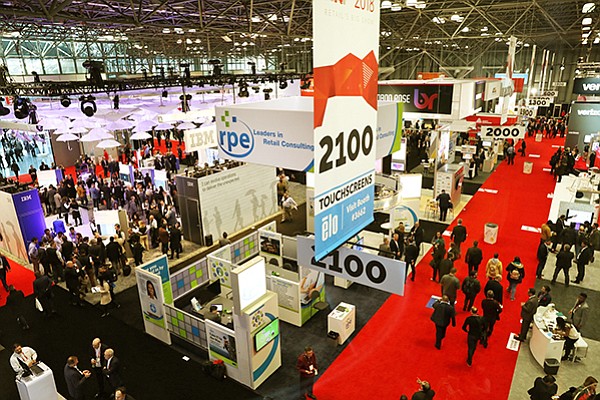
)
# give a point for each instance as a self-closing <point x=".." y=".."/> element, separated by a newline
<point x="346" y="43"/>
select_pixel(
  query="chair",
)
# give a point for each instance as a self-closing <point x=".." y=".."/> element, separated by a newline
<point x="580" y="344"/>
<point x="319" y="305"/>
<point x="431" y="211"/>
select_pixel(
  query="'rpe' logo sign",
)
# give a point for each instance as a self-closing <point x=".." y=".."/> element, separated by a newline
<point x="236" y="140"/>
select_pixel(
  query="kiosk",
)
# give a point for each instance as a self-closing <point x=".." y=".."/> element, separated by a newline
<point x="543" y="344"/>
<point x="38" y="387"/>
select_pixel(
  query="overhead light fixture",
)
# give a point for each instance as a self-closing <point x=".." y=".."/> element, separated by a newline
<point x="396" y="7"/>
<point x="438" y="20"/>
<point x="385" y="4"/>
<point x="456" y="18"/>
<point x="226" y="38"/>
<point x="484" y="29"/>
<point x="243" y="90"/>
<point x="164" y="94"/>
<point x="586" y="21"/>
<point x="267" y="93"/>
<point x="465" y="29"/>
<point x="597" y="40"/>
<point x="88" y="105"/>
<point x="588" y="8"/>
<point x="65" y="101"/>
<point x="21" y="107"/>
<point x="586" y="28"/>
<point x="283" y="84"/>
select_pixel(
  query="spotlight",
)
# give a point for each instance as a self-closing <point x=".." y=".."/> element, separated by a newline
<point x="116" y="101"/>
<point x="217" y="66"/>
<point x="244" y="90"/>
<point x="252" y="67"/>
<point x="65" y="101"/>
<point x="36" y="77"/>
<point x="21" y="107"/>
<point x="283" y="84"/>
<point x="165" y="94"/>
<point x="95" y="69"/>
<point x="305" y="85"/>
<point x="33" y="119"/>
<point x="185" y="105"/>
<point x="88" y="105"/>
<point x="3" y="110"/>
<point x="267" y="93"/>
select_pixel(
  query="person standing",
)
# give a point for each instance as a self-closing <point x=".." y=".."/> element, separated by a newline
<point x="474" y="257"/>
<point x="114" y="251"/>
<point x="112" y="370"/>
<point x="470" y="287"/>
<point x="443" y="314"/>
<point x="175" y="240"/>
<point x="282" y="187"/>
<point x="418" y="233"/>
<point x="542" y="256"/>
<point x="121" y="392"/>
<point x="564" y="259"/>
<point x="491" y="313"/>
<point x="494" y="285"/>
<point x="22" y="358"/>
<point x="105" y="295"/>
<point x="72" y="276"/>
<point x="75" y="378"/>
<point x="543" y="388"/>
<point x="450" y="285"/>
<point x="459" y="234"/>
<point x="528" y="310"/>
<point x="384" y="248"/>
<point x="515" y="272"/>
<point x="585" y="256"/>
<point x="34" y="254"/>
<point x="473" y="325"/>
<point x="307" y="368"/>
<point x="14" y="301"/>
<point x="544" y="296"/>
<point x="396" y="247"/>
<point x="42" y="289"/>
<point x="289" y="205"/>
<point x="444" y="203"/>
<point x="424" y="393"/>
<point x="438" y="255"/>
<point x="98" y="363"/>
<point x="410" y="258"/>
<point x="163" y="238"/>
<point x="493" y="267"/>
<point x="224" y="241"/>
<point x="4" y="268"/>
<point x="578" y="315"/>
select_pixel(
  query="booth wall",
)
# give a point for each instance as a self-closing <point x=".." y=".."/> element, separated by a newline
<point x="235" y="199"/>
<point x="12" y="239"/>
<point x="186" y="326"/>
<point x="29" y="210"/>
<point x="245" y="248"/>
<point x="189" y="278"/>
<point x="584" y="120"/>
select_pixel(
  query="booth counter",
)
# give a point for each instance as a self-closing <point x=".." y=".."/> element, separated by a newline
<point x="543" y="344"/>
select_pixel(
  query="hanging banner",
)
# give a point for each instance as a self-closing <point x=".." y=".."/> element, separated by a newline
<point x="346" y="52"/>
<point x="540" y="101"/>
<point x="502" y="132"/>
<point x="200" y="138"/>
<point x="357" y="266"/>
<point x="154" y="289"/>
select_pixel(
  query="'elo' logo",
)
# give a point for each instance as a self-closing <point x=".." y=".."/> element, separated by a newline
<point x="237" y="143"/>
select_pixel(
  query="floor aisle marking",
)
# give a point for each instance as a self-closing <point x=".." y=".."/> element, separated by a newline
<point x="547" y="169"/>
<point x="491" y="191"/>
<point x="513" y="344"/>
<point x="535" y="156"/>
<point x="550" y="195"/>
<point x="556" y="146"/>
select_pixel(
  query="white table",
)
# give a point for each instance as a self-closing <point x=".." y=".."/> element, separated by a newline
<point x="542" y="345"/>
<point x="342" y="320"/>
<point x="41" y="387"/>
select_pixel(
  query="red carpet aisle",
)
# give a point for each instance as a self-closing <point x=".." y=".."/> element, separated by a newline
<point x="397" y="345"/>
<point x="21" y="278"/>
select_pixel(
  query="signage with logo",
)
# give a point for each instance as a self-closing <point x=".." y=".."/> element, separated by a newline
<point x="492" y="90"/>
<point x="550" y="93"/>
<point x="586" y="86"/>
<point x="200" y="138"/>
<point x="540" y="101"/>
<point x="559" y="84"/>
<point x="502" y="132"/>
<point x="528" y="112"/>
<point x="428" y="99"/>
<point x="346" y="52"/>
<point x="584" y="120"/>
<point x="357" y="266"/>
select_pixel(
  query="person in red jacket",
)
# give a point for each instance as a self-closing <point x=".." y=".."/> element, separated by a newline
<point x="307" y="367"/>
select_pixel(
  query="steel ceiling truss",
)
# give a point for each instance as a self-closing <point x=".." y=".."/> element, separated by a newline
<point x="281" y="27"/>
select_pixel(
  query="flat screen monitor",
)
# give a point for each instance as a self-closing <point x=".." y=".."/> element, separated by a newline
<point x="579" y="217"/>
<point x="266" y="334"/>
<point x="214" y="288"/>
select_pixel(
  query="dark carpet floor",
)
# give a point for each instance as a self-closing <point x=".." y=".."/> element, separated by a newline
<point x="151" y="370"/>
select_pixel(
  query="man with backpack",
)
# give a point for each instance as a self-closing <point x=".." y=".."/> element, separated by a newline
<point x="470" y="287"/>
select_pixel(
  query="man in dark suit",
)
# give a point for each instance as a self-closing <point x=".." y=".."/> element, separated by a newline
<point x="542" y="256"/>
<point x="75" y="378"/>
<point x="495" y="286"/>
<point x="410" y="258"/>
<point x="491" y="313"/>
<point x="396" y="247"/>
<point x="384" y="249"/>
<point x="121" y="394"/>
<point x="112" y="370"/>
<point x="586" y="254"/>
<point x="528" y="310"/>
<point x="459" y="234"/>
<point x="98" y="363"/>
<point x="418" y="233"/>
<point x="564" y="259"/>
<point x="42" y="288"/>
<point x="474" y="257"/>
<point x="4" y="268"/>
<point x="443" y="314"/>
<point x="445" y="203"/>
<point x="473" y="325"/>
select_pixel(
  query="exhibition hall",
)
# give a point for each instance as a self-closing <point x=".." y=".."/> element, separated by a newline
<point x="326" y="199"/>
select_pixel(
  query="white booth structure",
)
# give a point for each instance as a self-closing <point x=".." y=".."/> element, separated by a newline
<point x="543" y="344"/>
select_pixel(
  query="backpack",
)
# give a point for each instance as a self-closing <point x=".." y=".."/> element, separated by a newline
<point x="493" y="270"/>
<point x="469" y="286"/>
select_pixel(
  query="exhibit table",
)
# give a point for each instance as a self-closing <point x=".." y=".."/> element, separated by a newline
<point x="543" y="343"/>
<point x="342" y="320"/>
<point x="40" y="387"/>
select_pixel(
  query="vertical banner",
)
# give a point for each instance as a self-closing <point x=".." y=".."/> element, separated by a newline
<point x="154" y="290"/>
<point x="346" y="52"/>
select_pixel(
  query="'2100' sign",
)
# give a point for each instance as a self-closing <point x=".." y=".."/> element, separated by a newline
<point x="502" y="132"/>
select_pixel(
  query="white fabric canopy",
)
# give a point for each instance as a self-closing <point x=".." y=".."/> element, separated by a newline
<point x="67" y="137"/>
<point x="140" y="136"/>
<point x="186" y="125"/>
<point x="108" y="144"/>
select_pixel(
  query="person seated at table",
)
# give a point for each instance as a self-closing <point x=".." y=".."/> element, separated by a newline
<point x="213" y="314"/>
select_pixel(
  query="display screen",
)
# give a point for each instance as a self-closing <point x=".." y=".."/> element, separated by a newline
<point x="266" y="334"/>
<point x="252" y="284"/>
<point x="579" y="217"/>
